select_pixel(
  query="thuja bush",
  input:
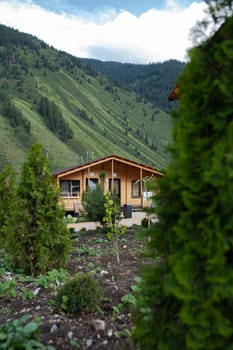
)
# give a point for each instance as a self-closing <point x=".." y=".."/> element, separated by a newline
<point x="93" y="203"/>
<point x="82" y="293"/>
<point x="38" y="239"/>
<point x="186" y="297"/>
<point x="93" y="200"/>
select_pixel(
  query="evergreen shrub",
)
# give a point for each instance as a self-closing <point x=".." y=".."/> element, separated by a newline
<point x="82" y="293"/>
<point x="38" y="239"/>
<point x="186" y="296"/>
<point x="93" y="203"/>
<point x="8" y="202"/>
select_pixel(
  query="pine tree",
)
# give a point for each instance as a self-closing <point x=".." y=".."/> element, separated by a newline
<point x="40" y="240"/>
<point x="186" y="296"/>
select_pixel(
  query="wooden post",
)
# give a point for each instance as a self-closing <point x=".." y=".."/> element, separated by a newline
<point x="89" y="176"/>
<point x="141" y="187"/>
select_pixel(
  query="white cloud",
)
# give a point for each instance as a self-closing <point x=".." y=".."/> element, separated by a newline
<point x="156" y="35"/>
<point x="172" y="4"/>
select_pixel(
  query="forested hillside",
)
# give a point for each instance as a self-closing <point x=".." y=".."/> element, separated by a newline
<point x="72" y="109"/>
<point x="152" y="82"/>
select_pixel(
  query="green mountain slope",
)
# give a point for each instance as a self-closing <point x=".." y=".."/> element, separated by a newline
<point x="152" y="82"/>
<point x="64" y="103"/>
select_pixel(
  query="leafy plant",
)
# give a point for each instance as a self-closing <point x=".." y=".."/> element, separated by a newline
<point x="53" y="279"/>
<point x="69" y="219"/>
<point x="82" y="293"/>
<point x="112" y="214"/>
<point x="5" y="310"/>
<point x="101" y="240"/>
<point x="129" y="300"/>
<point x="88" y="251"/>
<point x="8" y="288"/>
<point x="20" y="334"/>
<point x="26" y="293"/>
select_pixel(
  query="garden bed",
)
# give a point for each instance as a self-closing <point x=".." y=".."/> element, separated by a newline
<point x="107" y="329"/>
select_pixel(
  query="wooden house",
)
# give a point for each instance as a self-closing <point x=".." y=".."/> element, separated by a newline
<point x="126" y="177"/>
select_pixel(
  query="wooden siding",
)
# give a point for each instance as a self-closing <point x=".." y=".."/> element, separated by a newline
<point x="115" y="168"/>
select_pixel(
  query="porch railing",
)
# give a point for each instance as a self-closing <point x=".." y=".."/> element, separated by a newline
<point x="70" y="194"/>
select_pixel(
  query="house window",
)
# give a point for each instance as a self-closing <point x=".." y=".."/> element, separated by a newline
<point x="116" y="186"/>
<point x="91" y="184"/>
<point x="136" y="188"/>
<point x="70" y="188"/>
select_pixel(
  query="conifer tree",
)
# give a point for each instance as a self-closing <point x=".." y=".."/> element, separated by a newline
<point x="7" y="202"/>
<point x="185" y="300"/>
<point x="40" y="240"/>
<point x="93" y="203"/>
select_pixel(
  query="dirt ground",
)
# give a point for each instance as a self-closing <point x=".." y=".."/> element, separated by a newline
<point x="107" y="329"/>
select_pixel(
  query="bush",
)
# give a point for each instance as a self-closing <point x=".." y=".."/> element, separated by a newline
<point x="93" y="203"/>
<point x="80" y="294"/>
<point x="185" y="301"/>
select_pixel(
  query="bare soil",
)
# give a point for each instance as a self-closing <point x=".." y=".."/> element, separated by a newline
<point x="91" y="252"/>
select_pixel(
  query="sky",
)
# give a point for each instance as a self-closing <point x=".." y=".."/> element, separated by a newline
<point x="127" y="31"/>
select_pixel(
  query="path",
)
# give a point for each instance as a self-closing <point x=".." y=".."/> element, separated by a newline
<point x="136" y="219"/>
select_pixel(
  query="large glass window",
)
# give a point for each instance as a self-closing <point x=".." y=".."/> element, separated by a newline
<point x="136" y="188"/>
<point x="70" y="188"/>
<point x="91" y="184"/>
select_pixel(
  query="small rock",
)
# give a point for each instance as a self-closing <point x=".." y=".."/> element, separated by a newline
<point x="8" y="276"/>
<point x="53" y="329"/>
<point x="89" y="343"/>
<point x="110" y="332"/>
<point x="70" y="335"/>
<point x="104" y="272"/>
<point x="36" y="291"/>
<point x="24" y="311"/>
<point x="56" y="316"/>
<point x="99" y="325"/>
<point x="104" y="343"/>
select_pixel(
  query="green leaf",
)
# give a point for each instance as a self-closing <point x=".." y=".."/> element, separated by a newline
<point x="31" y="327"/>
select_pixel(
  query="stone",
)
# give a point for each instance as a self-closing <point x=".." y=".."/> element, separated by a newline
<point x="70" y="334"/>
<point x="53" y="329"/>
<point x="89" y="343"/>
<point x="99" y="325"/>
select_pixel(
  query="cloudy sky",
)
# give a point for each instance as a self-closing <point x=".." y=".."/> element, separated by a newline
<point x="136" y="31"/>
